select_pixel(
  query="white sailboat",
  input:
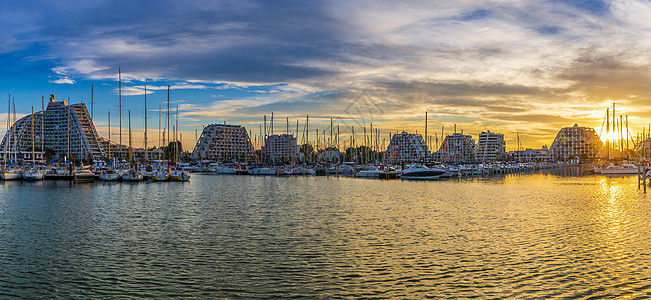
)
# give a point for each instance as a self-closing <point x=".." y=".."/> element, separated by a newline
<point x="34" y="173"/>
<point x="9" y="172"/>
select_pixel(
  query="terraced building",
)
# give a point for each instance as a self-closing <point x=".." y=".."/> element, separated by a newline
<point x="63" y="127"/>
<point x="221" y="142"/>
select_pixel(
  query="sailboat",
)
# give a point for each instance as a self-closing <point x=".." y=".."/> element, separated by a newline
<point x="131" y="174"/>
<point x="9" y="173"/>
<point x="33" y="173"/>
<point x="84" y="173"/>
<point x="178" y="174"/>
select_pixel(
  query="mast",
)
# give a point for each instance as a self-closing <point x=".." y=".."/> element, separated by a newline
<point x="607" y="133"/>
<point x="81" y="145"/>
<point x="109" y="135"/>
<point x="92" y="101"/>
<point x="271" y="124"/>
<point x="33" y="157"/>
<point x="68" y="129"/>
<point x="8" y="143"/>
<point x="168" y="116"/>
<point x="130" y="149"/>
<point x="16" y="141"/>
<point x="43" y="128"/>
<point x="287" y="143"/>
<point x="264" y="141"/>
<point x="176" y="141"/>
<point x="627" y="135"/>
<point x="146" y="150"/>
<point x="160" y="116"/>
<point x="120" y="104"/>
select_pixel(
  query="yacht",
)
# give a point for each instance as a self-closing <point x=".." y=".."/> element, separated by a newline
<point x="132" y="175"/>
<point x="180" y="175"/>
<point x="83" y="175"/>
<point x="10" y="174"/>
<point x="109" y="175"/>
<point x="33" y="174"/>
<point x="422" y="173"/>
<point x="161" y="175"/>
<point x="303" y="170"/>
<point x="371" y="172"/>
<point x="262" y="171"/>
<point x="625" y="168"/>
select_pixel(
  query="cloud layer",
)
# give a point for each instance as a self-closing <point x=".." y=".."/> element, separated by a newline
<point x="524" y="66"/>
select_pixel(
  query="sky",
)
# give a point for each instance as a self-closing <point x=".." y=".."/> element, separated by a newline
<point x="521" y="68"/>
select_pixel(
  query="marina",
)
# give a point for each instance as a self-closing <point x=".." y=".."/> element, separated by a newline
<point x="325" y="149"/>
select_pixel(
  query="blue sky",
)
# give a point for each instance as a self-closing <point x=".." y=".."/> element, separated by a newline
<point x="529" y="67"/>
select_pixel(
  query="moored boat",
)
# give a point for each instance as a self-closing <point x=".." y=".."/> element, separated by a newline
<point x="422" y="173"/>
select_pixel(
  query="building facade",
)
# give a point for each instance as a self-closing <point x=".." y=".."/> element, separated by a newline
<point x="575" y="143"/>
<point x="406" y="147"/>
<point x="280" y="148"/>
<point x="529" y="155"/>
<point x="457" y="148"/>
<point x="220" y="142"/>
<point x="63" y="127"/>
<point x="491" y="147"/>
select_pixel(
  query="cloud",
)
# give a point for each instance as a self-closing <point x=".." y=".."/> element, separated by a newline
<point x="63" y="80"/>
<point x="509" y="65"/>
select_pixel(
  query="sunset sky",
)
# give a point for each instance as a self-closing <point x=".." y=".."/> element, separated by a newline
<point x="525" y="67"/>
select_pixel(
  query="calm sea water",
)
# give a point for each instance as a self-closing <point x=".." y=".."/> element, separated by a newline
<point x="520" y="236"/>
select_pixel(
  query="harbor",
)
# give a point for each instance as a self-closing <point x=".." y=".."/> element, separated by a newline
<point x="315" y="236"/>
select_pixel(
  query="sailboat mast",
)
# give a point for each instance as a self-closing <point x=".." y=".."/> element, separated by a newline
<point x="43" y="127"/>
<point x="168" y="115"/>
<point x="92" y="100"/>
<point x="15" y="133"/>
<point x="68" y="129"/>
<point x="176" y="140"/>
<point x="120" y="104"/>
<point x="33" y="151"/>
<point x="8" y="143"/>
<point x="109" y="135"/>
<point x="146" y="151"/>
<point x="160" y="117"/>
<point x="130" y="149"/>
<point x="608" y="133"/>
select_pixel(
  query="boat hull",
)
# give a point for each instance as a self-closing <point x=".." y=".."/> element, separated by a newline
<point x="9" y="176"/>
<point x="84" y="177"/>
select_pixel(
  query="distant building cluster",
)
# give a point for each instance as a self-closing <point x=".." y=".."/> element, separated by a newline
<point x="67" y="130"/>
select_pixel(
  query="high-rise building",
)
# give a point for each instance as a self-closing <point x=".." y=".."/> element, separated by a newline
<point x="491" y="147"/>
<point x="67" y="129"/>
<point x="406" y="147"/>
<point x="280" y="148"/>
<point x="457" y="147"/>
<point x="575" y="143"/>
<point x="220" y="142"/>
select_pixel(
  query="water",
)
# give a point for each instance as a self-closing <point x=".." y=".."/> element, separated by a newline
<point x="266" y="237"/>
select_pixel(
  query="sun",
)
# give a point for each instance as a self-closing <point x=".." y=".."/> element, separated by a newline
<point x="611" y="136"/>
